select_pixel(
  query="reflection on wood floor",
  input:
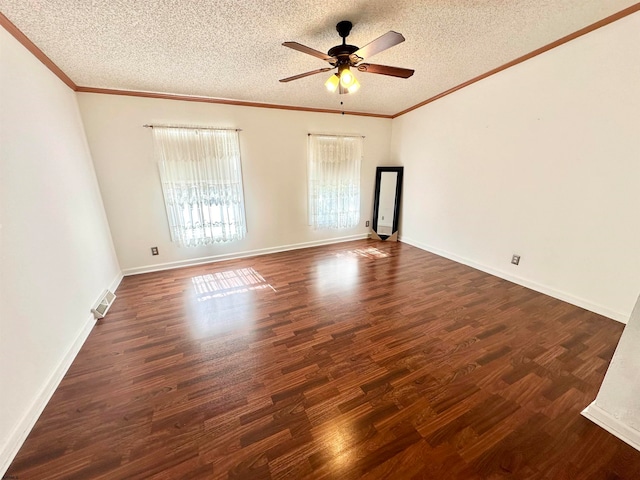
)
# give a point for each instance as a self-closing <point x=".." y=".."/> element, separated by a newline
<point x="356" y="360"/>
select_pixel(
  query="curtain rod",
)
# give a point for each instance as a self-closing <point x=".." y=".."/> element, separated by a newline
<point x="192" y="128"/>
<point x="335" y="135"/>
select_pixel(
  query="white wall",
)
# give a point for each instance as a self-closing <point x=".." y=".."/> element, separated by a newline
<point x="56" y="254"/>
<point x="542" y="160"/>
<point x="620" y="391"/>
<point x="273" y="146"/>
<point x="617" y="406"/>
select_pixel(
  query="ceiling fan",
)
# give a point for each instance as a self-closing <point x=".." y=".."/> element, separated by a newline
<point x="344" y="57"/>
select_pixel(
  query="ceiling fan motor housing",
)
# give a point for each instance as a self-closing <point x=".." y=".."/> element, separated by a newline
<point x="342" y="51"/>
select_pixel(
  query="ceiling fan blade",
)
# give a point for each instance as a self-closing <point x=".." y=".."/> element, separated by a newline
<point x="387" y="40"/>
<point x="310" y="51"/>
<point x="385" y="70"/>
<point x="306" y="74"/>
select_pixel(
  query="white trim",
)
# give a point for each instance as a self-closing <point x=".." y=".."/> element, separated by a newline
<point x="552" y="292"/>
<point x="612" y="425"/>
<point x="21" y="431"/>
<point x="232" y="256"/>
<point x="113" y="286"/>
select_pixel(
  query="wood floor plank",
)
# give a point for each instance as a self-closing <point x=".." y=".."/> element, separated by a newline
<point x="357" y="360"/>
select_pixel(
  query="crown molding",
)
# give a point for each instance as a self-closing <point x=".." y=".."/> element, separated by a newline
<point x="39" y="54"/>
<point x="546" y="48"/>
<point x="222" y="101"/>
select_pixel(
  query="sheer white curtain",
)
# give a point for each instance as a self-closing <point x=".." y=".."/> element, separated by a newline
<point x="201" y="179"/>
<point x="334" y="181"/>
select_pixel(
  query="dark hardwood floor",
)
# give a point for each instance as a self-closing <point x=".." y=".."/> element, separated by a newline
<point x="356" y="360"/>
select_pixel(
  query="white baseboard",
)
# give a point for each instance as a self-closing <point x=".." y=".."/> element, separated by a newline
<point x="113" y="286"/>
<point x="612" y="425"/>
<point x="232" y="256"/>
<point x="552" y="292"/>
<point x="19" y="434"/>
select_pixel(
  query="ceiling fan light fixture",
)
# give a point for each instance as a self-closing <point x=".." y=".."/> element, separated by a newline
<point x="347" y="79"/>
<point x="355" y="86"/>
<point x="332" y="82"/>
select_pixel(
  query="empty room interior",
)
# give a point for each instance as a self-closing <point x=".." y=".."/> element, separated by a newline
<point x="264" y="240"/>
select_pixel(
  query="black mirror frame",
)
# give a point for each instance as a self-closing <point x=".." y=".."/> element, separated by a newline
<point x="376" y="199"/>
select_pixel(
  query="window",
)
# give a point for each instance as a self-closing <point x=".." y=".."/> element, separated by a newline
<point x="334" y="181"/>
<point x="201" y="180"/>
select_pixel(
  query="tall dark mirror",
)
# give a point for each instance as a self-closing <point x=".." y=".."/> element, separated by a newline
<point x="386" y="203"/>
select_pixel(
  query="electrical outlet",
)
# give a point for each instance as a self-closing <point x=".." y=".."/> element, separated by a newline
<point x="154" y="250"/>
<point x="366" y="224"/>
<point x="515" y="259"/>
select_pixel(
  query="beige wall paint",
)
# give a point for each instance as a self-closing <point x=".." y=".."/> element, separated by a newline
<point x="542" y="160"/>
<point x="274" y="152"/>
<point x="56" y="254"/>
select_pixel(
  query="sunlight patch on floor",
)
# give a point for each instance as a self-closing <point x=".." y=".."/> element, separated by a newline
<point x="368" y="252"/>
<point x="231" y="282"/>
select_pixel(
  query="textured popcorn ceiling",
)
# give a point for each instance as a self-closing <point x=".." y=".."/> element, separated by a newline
<point x="232" y="48"/>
